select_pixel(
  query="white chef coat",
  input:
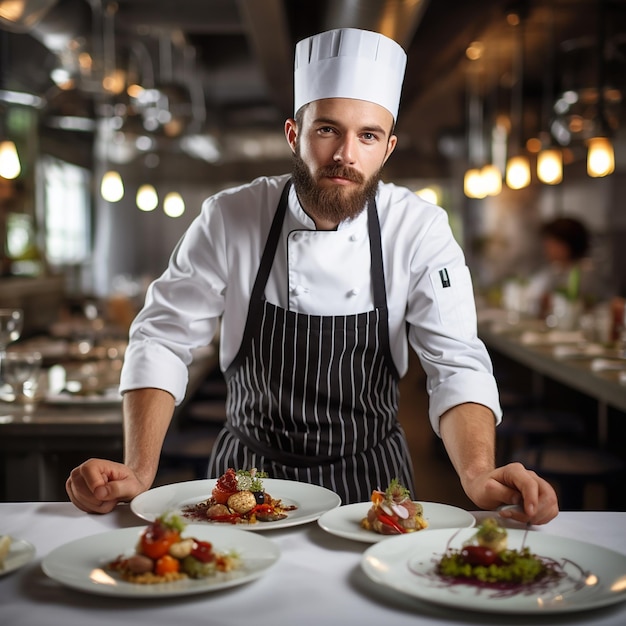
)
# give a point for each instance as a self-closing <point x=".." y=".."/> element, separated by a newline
<point x="212" y="271"/>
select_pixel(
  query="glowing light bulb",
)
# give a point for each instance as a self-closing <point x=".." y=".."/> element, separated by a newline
<point x="491" y="179"/>
<point x="473" y="184"/>
<point x="173" y="204"/>
<point x="600" y="157"/>
<point x="112" y="187"/>
<point x="9" y="161"/>
<point x="518" y="172"/>
<point x="550" y="166"/>
<point x="147" y="198"/>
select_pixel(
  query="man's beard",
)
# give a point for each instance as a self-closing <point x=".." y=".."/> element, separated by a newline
<point x="334" y="203"/>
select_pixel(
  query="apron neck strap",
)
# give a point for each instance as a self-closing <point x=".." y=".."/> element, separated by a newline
<point x="376" y="255"/>
<point x="271" y="245"/>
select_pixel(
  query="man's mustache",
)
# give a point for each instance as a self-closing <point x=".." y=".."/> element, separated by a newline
<point x="341" y="171"/>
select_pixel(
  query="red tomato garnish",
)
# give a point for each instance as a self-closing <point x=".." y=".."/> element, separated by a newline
<point x="263" y="508"/>
<point x="479" y="555"/>
<point x="203" y="551"/>
<point x="220" y="496"/>
<point x="157" y="539"/>
<point x="225" y="486"/>
<point x="228" y="480"/>
<point x="389" y="521"/>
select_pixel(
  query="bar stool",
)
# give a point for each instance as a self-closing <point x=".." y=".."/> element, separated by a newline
<point x="571" y="468"/>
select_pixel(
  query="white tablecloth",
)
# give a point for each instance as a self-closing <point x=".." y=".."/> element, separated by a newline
<point x="317" y="581"/>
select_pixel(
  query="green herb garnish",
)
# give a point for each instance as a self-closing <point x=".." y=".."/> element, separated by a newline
<point x="397" y="492"/>
<point x="173" y="521"/>
<point x="250" y="480"/>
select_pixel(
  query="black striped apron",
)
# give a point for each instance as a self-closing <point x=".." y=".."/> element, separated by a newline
<point x="315" y="398"/>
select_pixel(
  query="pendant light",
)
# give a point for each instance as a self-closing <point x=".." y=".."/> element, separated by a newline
<point x="10" y="167"/>
<point x="518" y="172"/>
<point x="518" y="168"/>
<point x="147" y="198"/>
<point x="473" y="185"/>
<point x="491" y="179"/>
<point x="550" y="166"/>
<point x="550" y="158"/>
<point x="491" y="172"/>
<point x="112" y="187"/>
<point x="600" y="153"/>
<point x="173" y="204"/>
<point x="9" y="161"/>
<point x="600" y="157"/>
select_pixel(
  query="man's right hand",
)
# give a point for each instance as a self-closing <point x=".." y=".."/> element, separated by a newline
<point x="98" y="485"/>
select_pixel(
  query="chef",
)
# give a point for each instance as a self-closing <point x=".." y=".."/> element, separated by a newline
<point x="320" y="281"/>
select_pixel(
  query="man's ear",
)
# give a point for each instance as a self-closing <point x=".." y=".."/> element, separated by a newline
<point x="391" y="146"/>
<point x="291" y="133"/>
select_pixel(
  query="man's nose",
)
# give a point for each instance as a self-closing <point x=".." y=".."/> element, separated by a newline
<point x="345" y="152"/>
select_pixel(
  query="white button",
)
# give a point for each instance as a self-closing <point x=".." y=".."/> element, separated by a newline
<point x="354" y="237"/>
<point x="353" y="292"/>
<point x="295" y="236"/>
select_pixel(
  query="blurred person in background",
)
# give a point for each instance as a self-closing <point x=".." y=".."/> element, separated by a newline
<point x="568" y="268"/>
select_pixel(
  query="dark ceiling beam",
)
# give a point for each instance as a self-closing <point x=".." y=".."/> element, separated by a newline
<point x="195" y="17"/>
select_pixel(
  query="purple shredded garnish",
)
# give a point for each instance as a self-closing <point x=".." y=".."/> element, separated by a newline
<point x="568" y="576"/>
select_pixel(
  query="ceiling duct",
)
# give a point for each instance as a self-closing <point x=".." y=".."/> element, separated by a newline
<point x="397" y="19"/>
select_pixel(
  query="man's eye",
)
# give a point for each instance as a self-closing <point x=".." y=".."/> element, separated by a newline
<point x="369" y="136"/>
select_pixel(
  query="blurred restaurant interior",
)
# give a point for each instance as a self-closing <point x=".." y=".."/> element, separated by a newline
<point x="118" y="118"/>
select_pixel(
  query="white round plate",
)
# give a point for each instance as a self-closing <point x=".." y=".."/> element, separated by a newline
<point x="345" y="521"/>
<point x="81" y="564"/>
<point x="20" y="553"/>
<point x="594" y="575"/>
<point x="312" y="501"/>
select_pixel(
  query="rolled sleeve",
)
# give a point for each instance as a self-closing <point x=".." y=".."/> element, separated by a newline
<point x="466" y="386"/>
<point x="149" y="364"/>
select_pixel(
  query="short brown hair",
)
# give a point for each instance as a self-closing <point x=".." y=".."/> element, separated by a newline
<point x="571" y="232"/>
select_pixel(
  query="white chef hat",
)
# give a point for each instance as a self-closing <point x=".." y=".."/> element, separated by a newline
<point x="349" y="63"/>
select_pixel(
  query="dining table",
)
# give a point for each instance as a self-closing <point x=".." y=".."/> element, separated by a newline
<point x="318" y="578"/>
<point x="568" y="357"/>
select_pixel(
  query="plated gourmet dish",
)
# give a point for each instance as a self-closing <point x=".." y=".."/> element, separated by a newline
<point x="487" y="560"/>
<point x="163" y="554"/>
<point x="393" y="512"/>
<point x="239" y="497"/>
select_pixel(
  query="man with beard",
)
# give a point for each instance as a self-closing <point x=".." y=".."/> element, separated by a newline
<point x="321" y="281"/>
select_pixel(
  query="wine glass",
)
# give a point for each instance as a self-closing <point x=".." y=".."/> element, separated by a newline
<point x="11" y="322"/>
<point x="21" y="371"/>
